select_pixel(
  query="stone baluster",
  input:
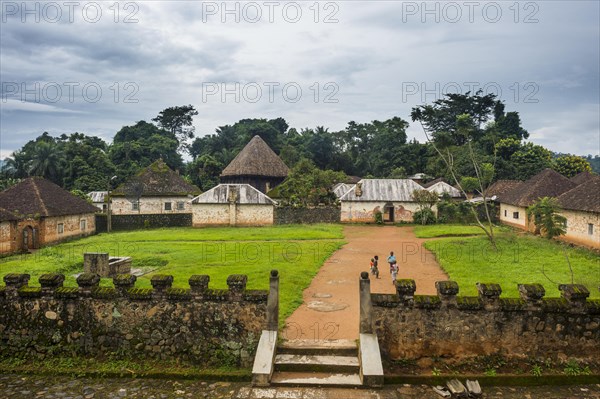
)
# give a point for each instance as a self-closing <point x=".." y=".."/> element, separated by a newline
<point x="15" y="281"/>
<point x="124" y="282"/>
<point x="489" y="293"/>
<point x="237" y="286"/>
<point x="406" y="291"/>
<point x="447" y="291"/>
<point x="161" y="283"/>
<point x="87" y="282"/>
<point x="198" y="285"/>
<point x="576" y="295"/>
<point x="50" y="282"/>
<point x="533" y="295"/>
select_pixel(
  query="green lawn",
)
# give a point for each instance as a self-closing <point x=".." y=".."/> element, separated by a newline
<point x="446" y="230"/>
<point x="296" y="251"/>
<point x="519" y="259"/>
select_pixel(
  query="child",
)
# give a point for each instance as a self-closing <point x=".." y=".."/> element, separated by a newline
<point x="394" y="272"/>
<point x="374" y="268"/>
<point x="391" y="260"/>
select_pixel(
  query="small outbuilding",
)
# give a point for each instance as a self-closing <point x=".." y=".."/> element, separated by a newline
<point x="581" y="208"/>
<point x="99" y="199"/>
<point x="256" y="165"/>
<point x="45" y="213"/>
<point x="392" y="197"/>
<point x="232" y="205"/>
<point x="157" y="189"/>
<point x="440" y="187"/>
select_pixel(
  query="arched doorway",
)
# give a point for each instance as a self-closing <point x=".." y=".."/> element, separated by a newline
<point x="388" y="213"/>
<point x="30" y="238"/>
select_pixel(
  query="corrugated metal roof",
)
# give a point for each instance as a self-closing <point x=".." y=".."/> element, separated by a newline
<point x="224" y="193"/>
<point x="399" y="190"/>
<point x="97" y="196"/>
<point x="442" y="187"/>
<point x="342" y="188"/>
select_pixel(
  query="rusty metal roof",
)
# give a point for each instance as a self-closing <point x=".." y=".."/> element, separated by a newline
<point x="398" y="190"/>
<point x="441" y="187"/>
<point x="238" y="193"/>
<point x="342" y="188"/>
<point x="97" y="196"/>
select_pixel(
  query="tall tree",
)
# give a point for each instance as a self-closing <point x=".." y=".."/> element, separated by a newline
<point x="570" y="165"/>
<point x="178" y="120"/>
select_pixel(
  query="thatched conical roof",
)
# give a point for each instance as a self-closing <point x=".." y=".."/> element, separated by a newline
<point x="256" y="159"/>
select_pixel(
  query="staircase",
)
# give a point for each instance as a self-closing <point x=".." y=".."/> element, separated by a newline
<point x="317" y="364"/>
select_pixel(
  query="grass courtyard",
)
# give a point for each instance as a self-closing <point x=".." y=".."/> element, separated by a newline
<point x="296" y="251"/>
<point x="468" y="257"/>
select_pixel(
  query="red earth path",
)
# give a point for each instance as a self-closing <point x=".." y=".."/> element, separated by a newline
<point x="330" y="309"/>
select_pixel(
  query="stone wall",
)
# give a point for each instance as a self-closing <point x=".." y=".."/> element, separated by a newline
<point x="364" y="212"/>
<point x="254" y="215"/>
<point x="150" y="205"/>
<point x="413" y="326"/>
<point x="289" y="215"/>
<point x="136" y="222"/>
<point x="197" y="324"/>
<point x="578" y="228"/>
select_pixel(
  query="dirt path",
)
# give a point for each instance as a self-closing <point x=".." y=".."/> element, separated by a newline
<point x="331" y="307"/>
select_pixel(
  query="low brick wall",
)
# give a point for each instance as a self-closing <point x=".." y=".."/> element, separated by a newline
<point x="415" y="326"/>
<point x="289" y="215"/>
<point x="136" y="222"/>
<point x="199" y="325"/>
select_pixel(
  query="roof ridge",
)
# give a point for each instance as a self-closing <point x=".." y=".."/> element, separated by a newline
<point x="39" y="196"/>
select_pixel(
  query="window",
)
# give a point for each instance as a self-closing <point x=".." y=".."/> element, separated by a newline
<point x="505" y="213"/>
<point x="104" y="207"/>
<point x="181" y="206"/>
<point x="83" y="224"/>
<point x="60" y="228"/>
<point x="515" y="215"/>
<point x="135" y="205"/>
<point x="168" y="206"/>
<point x="590" y="229"/>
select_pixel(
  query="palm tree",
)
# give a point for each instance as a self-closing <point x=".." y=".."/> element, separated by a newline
<point x="47" y="161"/>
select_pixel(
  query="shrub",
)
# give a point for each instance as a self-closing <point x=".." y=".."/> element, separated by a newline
<point x="424" y="216"/>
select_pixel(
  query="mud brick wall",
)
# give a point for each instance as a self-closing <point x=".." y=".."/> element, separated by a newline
<point x="289" y="215"/>
<point x="414" y="326"/>
<point x="196" y="324"/>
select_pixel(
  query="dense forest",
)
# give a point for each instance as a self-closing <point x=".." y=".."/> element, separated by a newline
<point x="466" y="127"/>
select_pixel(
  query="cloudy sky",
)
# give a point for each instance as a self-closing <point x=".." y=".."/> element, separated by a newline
<point x="94" y="67"/>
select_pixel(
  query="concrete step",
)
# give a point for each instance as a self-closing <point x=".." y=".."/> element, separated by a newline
<point x="297" y="379"/>
<point x="340" y="347"/>
<point x="315" y="363"/>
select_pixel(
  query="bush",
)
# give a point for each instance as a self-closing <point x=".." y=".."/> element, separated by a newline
<point x="378" y="217"/>
<point x="424" y="216"/>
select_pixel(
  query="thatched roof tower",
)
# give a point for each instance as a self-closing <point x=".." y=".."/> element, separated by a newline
<point x="256" y="165"/>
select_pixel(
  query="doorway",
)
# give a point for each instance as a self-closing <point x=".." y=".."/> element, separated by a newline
<point x="388" y="213"/>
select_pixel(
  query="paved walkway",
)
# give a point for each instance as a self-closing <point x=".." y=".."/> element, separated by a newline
<point x="39" y="387"/>
<point x="330" y="309"/>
